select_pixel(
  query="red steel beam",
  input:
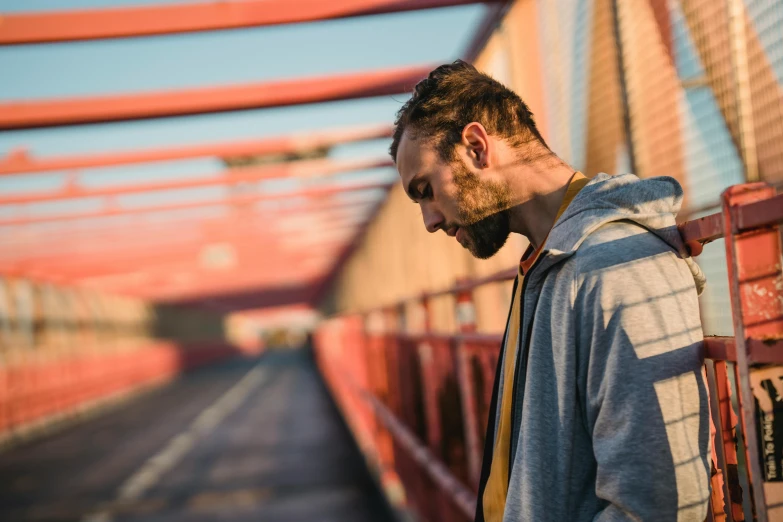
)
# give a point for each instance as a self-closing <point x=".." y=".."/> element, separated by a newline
<point x="309" y="193"/>
<point x="124" y="243"/>
<point x="19" y="162"/>
<point x="123" y="278"/>
<point x="697" y="232"/>
<point x="18" y="115"/>
<point x="153" y="235"/>
<point x="292" y="269"/>
<point x="126" y="22"/>
<point x="305" y="168"/>
<point x="165" y="285"/>
<point x="258" y="267"/>
<point x="250" y="261"/>
<point x="162" y="287"/>
<point x="703" y="230"/>
<point x="310" y="205"/>
<point x="767" y="212"/>
<point x="68" y="237"/>
<point x="103" y="245"/>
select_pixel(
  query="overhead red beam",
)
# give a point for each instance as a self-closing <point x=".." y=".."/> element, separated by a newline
<point x="250" y="260"/>
<point x="18" y="115"/>
<point x="294" y="268"/>
<point x="257" y="264"/>
<point x="231" y="177"/>
<point x="168" y="284"/>
<point x="65" y="239"/>
<point x="19" y="162"/>
<point x="308" y="193"/>
<point x="121" y="243"/>
<point x="151" y="236"/>
<point x="68" y="236"/>
<point x="125" y="22"/>
<point x="251" y="254"/>
<point x="154" y="287"/>
<point x="124" y="275"/>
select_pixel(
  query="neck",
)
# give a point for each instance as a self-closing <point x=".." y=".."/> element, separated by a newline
<point x="540" y="187"/>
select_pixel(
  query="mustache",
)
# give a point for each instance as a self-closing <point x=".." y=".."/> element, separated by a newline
<point x="476" y="218"/>
<point x="472" y="225"/>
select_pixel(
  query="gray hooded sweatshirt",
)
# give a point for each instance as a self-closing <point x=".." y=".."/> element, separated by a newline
<point x="610" y="418"/>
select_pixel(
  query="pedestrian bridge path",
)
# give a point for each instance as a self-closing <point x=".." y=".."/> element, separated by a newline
<point x="250" y="439"/>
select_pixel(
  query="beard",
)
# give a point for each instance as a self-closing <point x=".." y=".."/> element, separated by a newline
<point x="482" y="210"/>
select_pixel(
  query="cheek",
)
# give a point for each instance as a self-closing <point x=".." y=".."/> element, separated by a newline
<point x="444" y="198"/>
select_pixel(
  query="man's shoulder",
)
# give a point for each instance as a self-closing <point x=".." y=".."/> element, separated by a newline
<point x="620" y="244"/>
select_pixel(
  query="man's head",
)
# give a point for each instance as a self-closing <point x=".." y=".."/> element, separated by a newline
<point x="451" y="140"/>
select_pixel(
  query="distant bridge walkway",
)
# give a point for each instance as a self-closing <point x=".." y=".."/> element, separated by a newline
<point x="248" y="440"/>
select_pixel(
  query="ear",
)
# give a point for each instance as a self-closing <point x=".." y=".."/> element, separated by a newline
<point x="476" y="141"/>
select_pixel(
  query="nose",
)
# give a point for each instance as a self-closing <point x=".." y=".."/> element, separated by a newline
<point x="433" y="220"/>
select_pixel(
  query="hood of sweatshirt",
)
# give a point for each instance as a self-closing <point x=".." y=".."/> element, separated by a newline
<point x="651" y="203"/>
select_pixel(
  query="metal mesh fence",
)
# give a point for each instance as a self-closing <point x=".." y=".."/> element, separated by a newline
<point x="684" y="88"/>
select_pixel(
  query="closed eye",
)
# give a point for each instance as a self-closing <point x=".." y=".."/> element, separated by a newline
<point x="415" y="191"/>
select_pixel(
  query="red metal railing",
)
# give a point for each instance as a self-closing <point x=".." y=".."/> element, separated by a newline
<point x="418" y="403"/>
<point x="39" y="392"/>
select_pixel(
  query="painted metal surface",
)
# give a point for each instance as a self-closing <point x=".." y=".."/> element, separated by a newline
<point x="70" y="262"/>
<point x="132" y="21"/>
<point x="229" y="178"/>
<point x="21" y="162"/>
<point x="17" y="115"/>
<point x="753" y="257"/>
<point x="115" y="210"/>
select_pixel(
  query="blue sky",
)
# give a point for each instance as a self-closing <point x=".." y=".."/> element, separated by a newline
<point x="215" y="58"/>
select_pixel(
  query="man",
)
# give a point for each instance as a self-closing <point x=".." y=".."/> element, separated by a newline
<point x="599" y="408"/>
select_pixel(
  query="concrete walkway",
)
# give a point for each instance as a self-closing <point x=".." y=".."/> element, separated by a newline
<point x="246" y="440"/>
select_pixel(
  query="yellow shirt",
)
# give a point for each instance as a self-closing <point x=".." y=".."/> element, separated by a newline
<point x="496" y="488"/>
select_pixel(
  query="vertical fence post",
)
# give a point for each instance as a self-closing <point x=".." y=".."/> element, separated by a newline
<point x="437" y="504"/>
<point x="360" y="359"/>
<point x="742" y="91"/>
<point x="755" y="281"/>
<point x="725" y="448"/>
<point x="386" y="388"/>
<point x="466" y="321"/>
<point x="621" y="74"/>
<point x="430" y="377"/>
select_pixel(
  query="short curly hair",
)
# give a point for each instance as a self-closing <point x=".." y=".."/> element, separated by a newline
<point x="454" y="95"/>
